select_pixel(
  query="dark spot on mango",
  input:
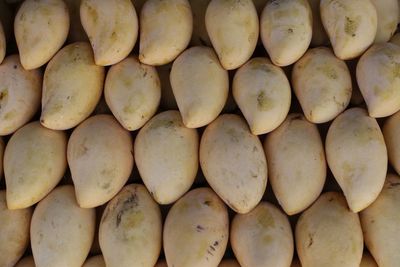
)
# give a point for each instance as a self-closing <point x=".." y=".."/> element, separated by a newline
<point x="199" y="228"/>
<point x="310" y="240"/>
<point x="351" y="26"/>
<point x="129" y="203"/>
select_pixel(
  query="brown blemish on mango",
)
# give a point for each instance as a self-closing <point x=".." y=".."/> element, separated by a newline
<point x="264" y="103"/>
<point x="128" y="205"/>
<point x="132" y="220"/>
<point x="328" y="71"/>
<point x="266" y="220"/>
<point x="163" y="124"/>
<point x="267" y="239"/>
<point x="129" y="109"/>
<point x="3" y="97"/>
<point x="385" y="94"/>
<point x="92" y="13"/>
<point x="10" y="115"/>
<point x="351" y="26"/>
<point x="259" y="64"/>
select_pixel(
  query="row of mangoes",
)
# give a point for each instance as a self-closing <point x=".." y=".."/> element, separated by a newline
<point x="196" y="231"/>
<point x="67" y="83"/>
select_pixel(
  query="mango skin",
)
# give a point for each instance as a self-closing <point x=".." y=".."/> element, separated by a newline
<point x="233" y="28"/>
<point x="167" y="176"/>
<point x="391" y="132"/>
<point x="262" y="92"/>
<point x="41" y="28"/>
<point x="100" y="159"/>
<point x="286" y="30"/>
<point x="329" y="234"/>
<point x="35" y="161"/>
<point x="14" y="231"/>
<point x="20" y="93"/>
<point x="233" y="162"/>
<point x="166" y="29"/>
<point x="322" y="84"/>
<point x="131" y="229"/>
<point x="297" y="179"/>
<point x="381" y="223"/>
<point x="196" y="225"/>
<point x="357" y="156"/>
<point x="378" y="80"/>
<point x="200" y="86"/>
<point x="64" y="103"/>
<point x="132" y="91"/>
<point x="262" y="237"/>
<point x="61" y="231"/>
<point x="112" y="28"/>
<point x="351" y="26"/>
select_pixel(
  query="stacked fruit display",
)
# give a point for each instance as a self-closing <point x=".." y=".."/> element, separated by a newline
<point x="199" y="133"/>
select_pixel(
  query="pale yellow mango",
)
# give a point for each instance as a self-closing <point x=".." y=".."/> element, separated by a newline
<point x="166" y="154"/>
<point x="112" y="28"/>
<point x="381" y="224"/>
<point x="14" y="232"/>
<point x="41" y="28"/>
<point x="131" y="229"/>
<point x="132" y="90"/>
<point x="388" y="12"/>
<point x="378" y="79"/>
<point x="233" y="30"/>
<point x="196" y="230"/>
<point x="20" y="92"/>
<point x="35" y="160"/>
<point x="262" y="237"/>
<point x="233" y="162"/>
<point x="286" y="30"/>
<point x="100" y="158"/>
<point x="262" y="92"/>
<point x="328" y="234"/>
<point x="61" y="231"/>
<point x="351" y="26"/>
<point x="391" y="132"/>
<point x="166" y="29"/>
<point x="200" y="86"/>
<point x="357" y="156"/>
<point x="72" y="87"/>
<point x="296" y="163"/>
<point x="322" y="84"/>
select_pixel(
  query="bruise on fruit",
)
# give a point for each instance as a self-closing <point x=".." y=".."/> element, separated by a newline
<point x="130" y="203"/>
<point x="310" y="240"/>
<point x="199" y="228"/>
<point x="267" y="239"/>
<point x="264" y="103"/>
<point x="234" y="135"/>
<point x="329" y="71"/>
<point x="265" y="219"/>
<point x="92" y="12"/>
<point x="351" y="26"/>
<point x="162" y="124"/>
<point x="3" y="97"/>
